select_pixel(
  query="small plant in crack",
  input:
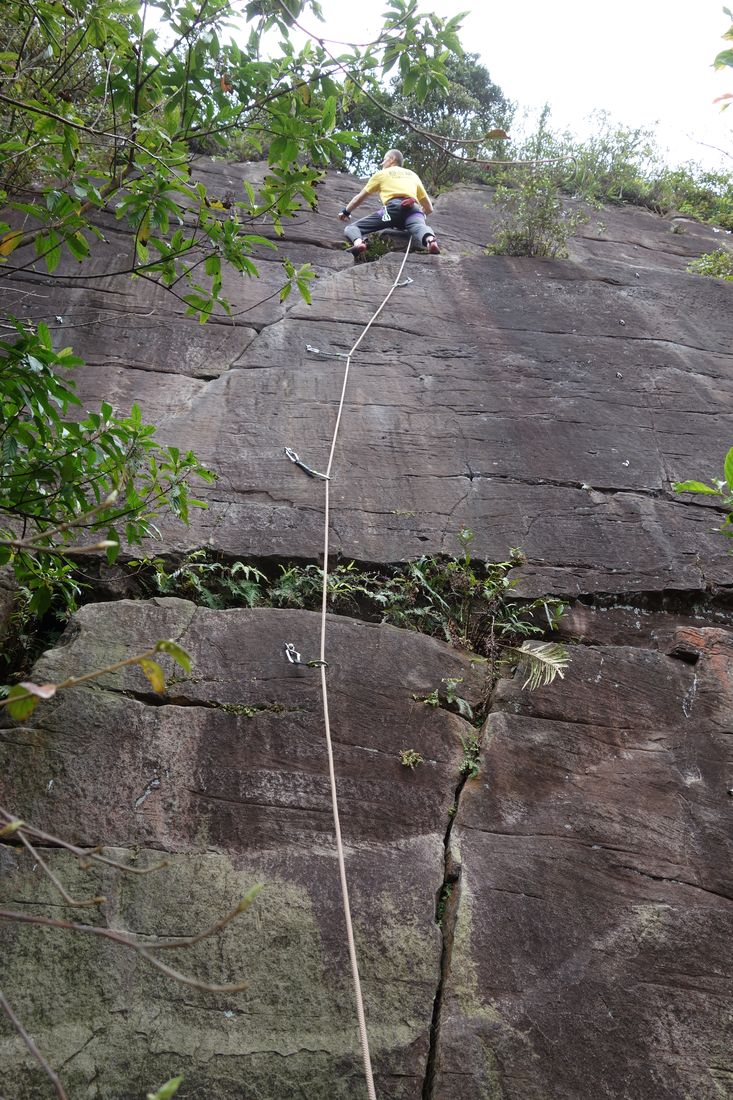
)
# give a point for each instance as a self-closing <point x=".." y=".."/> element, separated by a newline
<point x="432" y="699"/>
<point x="470" y="764"/>
<point x="717" y="265"/>
<point x="456" y="701"/>
<point x="446" y="892"/>
<point x="245" y="710"/>
<point x="378" y="245"/>
<point x="207" y="582"/>
<point x="302" y="585"/>
<point x="448" y="698"/>
<point x="467" y="602"/>
<point x="410" y="758"/>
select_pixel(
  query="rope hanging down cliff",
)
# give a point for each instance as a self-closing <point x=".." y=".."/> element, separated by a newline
<point x="326" y="478"/>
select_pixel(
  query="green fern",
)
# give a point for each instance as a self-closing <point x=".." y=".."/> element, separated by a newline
<point x="546" y="660"/>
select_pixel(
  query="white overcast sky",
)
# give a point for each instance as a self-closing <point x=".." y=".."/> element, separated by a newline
<point x="647" y="62"/>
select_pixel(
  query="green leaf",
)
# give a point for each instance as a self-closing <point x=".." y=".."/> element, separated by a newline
<point x="724" y="58"/>
<point x="40" y="601"/>
<point x="48" y="248"/>
<point x="168" y="1090"/>
<point x="694" y="487"/>
<point x="77" y="246"/>
<point x="177" y="652"/>
<point x="113" y="552"/>
<point x="45" y="336"/>
<point x="252" y="239"/>
<point x="728" y="469"/>
<point x="329" y="113"/>
<point x="304" y="291"/>
<point x="212" y="265"/>
<point x="154" y="673"/>
<point x="546" y="661"/>
<point x="21" y="703"/>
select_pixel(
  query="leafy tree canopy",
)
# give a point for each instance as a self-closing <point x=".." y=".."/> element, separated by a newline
<point x="461" y="113"/>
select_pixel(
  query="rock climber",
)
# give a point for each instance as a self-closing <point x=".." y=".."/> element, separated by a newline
<point x="405" y="204"/>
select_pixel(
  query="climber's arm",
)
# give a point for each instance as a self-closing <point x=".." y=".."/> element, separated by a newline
<point x="424" y="199"/>
<point x="356" y="201"/>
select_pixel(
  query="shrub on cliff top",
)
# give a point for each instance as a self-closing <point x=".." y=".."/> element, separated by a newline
<point x="533" y="217"/>
<point x="622" y="164"/>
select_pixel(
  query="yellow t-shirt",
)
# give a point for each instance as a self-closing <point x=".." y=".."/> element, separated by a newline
<point x="396" y="181"/>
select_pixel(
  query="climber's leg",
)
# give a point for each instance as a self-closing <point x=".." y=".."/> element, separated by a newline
<point x="421" y="233"/>
<point x="372" y="223"/>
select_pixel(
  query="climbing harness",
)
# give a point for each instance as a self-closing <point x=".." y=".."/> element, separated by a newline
<point x="294" y="657"/>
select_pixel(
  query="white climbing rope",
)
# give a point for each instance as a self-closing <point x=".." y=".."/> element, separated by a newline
<point x="324" y="689"/>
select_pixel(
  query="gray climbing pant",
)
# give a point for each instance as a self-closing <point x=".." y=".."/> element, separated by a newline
<point x="393" y="216"/>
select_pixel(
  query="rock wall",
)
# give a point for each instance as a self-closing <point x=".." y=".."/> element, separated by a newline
<point x="584" y="883"/>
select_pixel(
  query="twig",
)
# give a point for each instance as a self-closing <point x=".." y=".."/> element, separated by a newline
<point x="124" y="941"/>
<point x="82" y="853"/>
<point x="52" y="1076"/>
<point x="716" y="148"/>
<point x="217" y="926"/>
<point x="30" y="546"/>
<point x="199" y="21"/>
<point x="33" y="544"/>
<point x="74" y="681"/>
<point x="56" y="881"/>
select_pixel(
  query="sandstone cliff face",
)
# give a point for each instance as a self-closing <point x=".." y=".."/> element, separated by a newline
<point x="584" y="943"/>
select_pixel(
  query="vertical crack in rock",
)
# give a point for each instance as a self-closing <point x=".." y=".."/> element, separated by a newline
<point x="446" y="913"/>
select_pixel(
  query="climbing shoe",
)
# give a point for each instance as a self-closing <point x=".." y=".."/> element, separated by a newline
<point x="357" y="250"/>
<point x="433" y="247"/>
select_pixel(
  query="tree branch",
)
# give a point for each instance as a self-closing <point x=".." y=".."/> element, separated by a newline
<point x="126" y="941"/>
<point x="52" y="1076"/>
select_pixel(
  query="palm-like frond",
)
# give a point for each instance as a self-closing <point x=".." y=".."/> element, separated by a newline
<point x="546" y="660"/>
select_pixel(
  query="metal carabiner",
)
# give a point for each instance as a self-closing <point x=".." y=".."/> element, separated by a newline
<point x="291" y="454"/>
<point x="326" y="354"/>
<point x="295" y="659"/>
